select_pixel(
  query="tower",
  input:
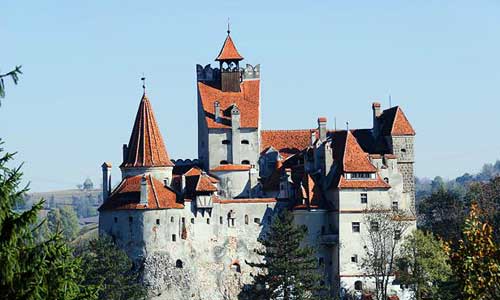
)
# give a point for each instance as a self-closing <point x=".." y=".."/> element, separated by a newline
<point x="229" y="65"/>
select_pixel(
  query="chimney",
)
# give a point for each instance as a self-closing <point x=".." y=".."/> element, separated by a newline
<point x="183" y="183"/>
<point x="106" y="180"/>
<point x="217" y="111"/>
<point x="322" y="128"/>
<point x="376" y="114"/>
<point x="252" y="176"/>
<point x="125" y="152"/>
<point x="144" y="190"/>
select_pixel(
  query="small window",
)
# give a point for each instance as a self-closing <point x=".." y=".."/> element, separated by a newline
<point x="374" y="226"/>
<point x="354" y="258"/>
<point x="130" y="219"/>
<point x="116" y="220"/>
<point x="245" y="162"/>
<point x="236" y="267"/>
<point x="256" y="220"/>
<point x="183" y="220"/>
<point x="360" y="175"/>
<point x="223" y="162"/>
<point x="157" y="221"/>
<point x="208" y="221"/>
<point x="246" y="219"/>
<point x="172" y="219"/>
<point x="403" y="150"/>
<point x="364" y="198"/>
<point x="174" y="238"/>
<point x="355" y="226"/>
<point x="245" y="142"/>
<point x="386" y="180"/>
<point x="358" y="285"/>
<point x="192" y="220"/>
<point x="221" y="220"/>
<point x="395" y="205"/>
<point x="397" y="234"/>
<point x="179" y="264"/>
<point x="226" y="142"/>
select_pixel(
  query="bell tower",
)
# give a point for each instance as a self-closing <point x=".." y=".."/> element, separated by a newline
<point x="229" y="63"/>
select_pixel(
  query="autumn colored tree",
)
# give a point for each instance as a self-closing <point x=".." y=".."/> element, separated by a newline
<point x="475" y="259"/>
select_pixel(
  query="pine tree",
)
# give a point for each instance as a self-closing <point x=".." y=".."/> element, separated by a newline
<point x="30" y="268"/>
<point x="289" y="271"/>
<point x="14" y="75"/>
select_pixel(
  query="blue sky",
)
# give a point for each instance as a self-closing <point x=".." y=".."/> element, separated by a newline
<point x="82" y="61"/>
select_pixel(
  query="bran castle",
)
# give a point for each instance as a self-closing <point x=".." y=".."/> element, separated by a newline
<point x="192" y="224"/>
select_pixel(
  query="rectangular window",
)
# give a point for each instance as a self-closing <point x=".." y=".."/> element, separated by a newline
<point x="174" y="237"/>
<point x="221" y="220"/>
<point x="395" y="205"/>
<point x="374" y="226"/>
<point x="183" y="220"/>
<point x="360" y="175"/>
<point x="355" y="226"/>
<point x="397" y="234"/>
<point x="354" y="258"/>
<point x="364" y="198"/>
<point x="157" y="221"/>
<point x="172" y="219"/>
<point x="256" y="220"/>
<point x="192" y="220"/>
<point x="208" y="220"/>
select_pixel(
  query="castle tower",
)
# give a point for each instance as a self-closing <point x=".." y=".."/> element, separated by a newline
<point x="229" y="119"/>
<point x="146" y="151"/>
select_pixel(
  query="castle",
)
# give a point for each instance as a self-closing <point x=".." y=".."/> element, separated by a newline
<point x="192" y="224"/>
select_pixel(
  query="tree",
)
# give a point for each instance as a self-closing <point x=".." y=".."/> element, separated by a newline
<point x="289" y="271"/>
<point x="108" y="266"/>
<point x="63" y="219"/>
<point x="14" y="75"/>
<point x="487" y="197"/>
<point x="475" y="259"/>
<point x="423" y="265"/>
<point x="32" y="269"/>
<point x="442" y="213"/>
<point x="386" y="229"/>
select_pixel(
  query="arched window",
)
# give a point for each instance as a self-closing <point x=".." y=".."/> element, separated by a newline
<point x="358" y="285"/>
<point x="246" y="219"/>
<point x="179" y="264"/>
<point x="403" y="150"/>
<point x="172" y="219"/>
<point x="226" y="142"/>
<point x="236" y="267"/>
<point x="223" y="162"/>
<point x="245" y="162"/>
<point x="386" y="180"/>
<point x="245" y="142"/>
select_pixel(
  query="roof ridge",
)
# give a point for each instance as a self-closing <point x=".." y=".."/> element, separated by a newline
<point x="154" y="191"/>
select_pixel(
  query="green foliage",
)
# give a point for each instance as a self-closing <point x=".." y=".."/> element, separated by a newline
<point x="29" y="268"/>
<point x="63" y="219"/>
<point x="423" y="265"/>
<point x="108" y="266"/>
<point x="475" y="259"/>
<point x="442" y="213"/>
<point x="14" y="75"/>
<point x="289" y="271"/>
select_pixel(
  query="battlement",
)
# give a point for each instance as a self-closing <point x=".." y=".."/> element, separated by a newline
<point x="211" y="74"/>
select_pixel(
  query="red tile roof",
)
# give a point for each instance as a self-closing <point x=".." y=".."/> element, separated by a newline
<point x="228" y="51"/>
<point x="205" y="184"/>
<point x="362" y="184"/>
<point x="230" y="167"/>
<point x="286" y="142"/>
<point x="394" y="122"/>
<point x="146" y="147"/>
<point x="247" y="101"/>
<point x="348" y="151"/>
<point x="127" y="195"/>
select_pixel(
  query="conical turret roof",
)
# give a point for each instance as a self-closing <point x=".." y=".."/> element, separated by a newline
<point x="228" y="51"/>
<point x="146" y="147"/>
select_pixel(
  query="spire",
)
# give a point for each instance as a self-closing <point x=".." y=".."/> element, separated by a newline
<point x="146" y="147"/>
<point x="228" y="51"/>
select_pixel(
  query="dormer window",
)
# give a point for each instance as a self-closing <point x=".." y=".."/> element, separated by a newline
<point x="245" y="162"/>
<point x="223" y="162"/>
<point x="360" y="176"/>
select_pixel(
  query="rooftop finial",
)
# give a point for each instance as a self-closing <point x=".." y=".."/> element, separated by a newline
<point x="347" y="125"/>
<point x="143" y="78"/>
<point x="228" y="27"/>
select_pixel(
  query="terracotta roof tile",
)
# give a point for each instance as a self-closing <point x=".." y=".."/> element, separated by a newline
<point x="286" y="142"/>
<point x="127" y="195"/>
<point x="231" y="168"/>
<point x="394" y="122"/>
<point x="228" y="51"/>
<point x="146" y="147"/>
<point x="205" y="184"/>
<point x="349" y="153"/>
<point x="247" y="101"/>
<point x="362" y="184"/>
